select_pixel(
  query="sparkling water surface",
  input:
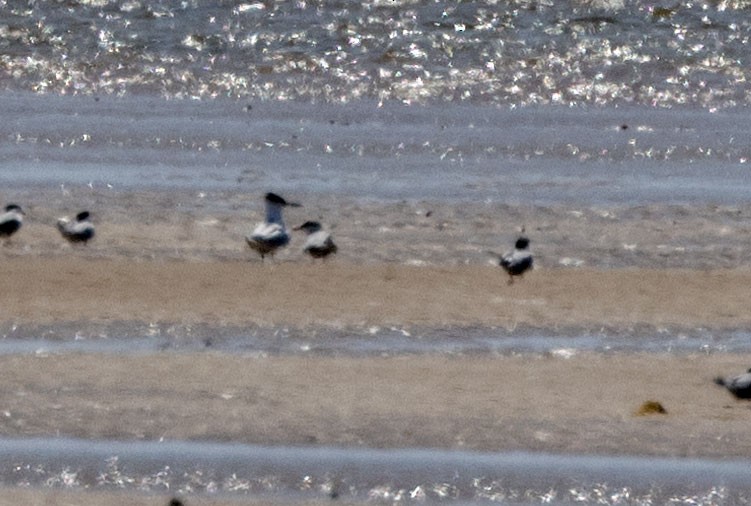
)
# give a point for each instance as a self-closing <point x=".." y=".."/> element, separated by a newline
<point x="517" y="52"/>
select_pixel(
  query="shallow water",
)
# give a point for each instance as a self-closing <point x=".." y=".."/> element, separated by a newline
<point x="399" y="475"/>
<point x="535" y="156"/>
<point x="132" y="338"/>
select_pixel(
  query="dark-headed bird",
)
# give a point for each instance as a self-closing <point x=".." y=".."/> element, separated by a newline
<point x="319" y="243"/>
<point x="739" y="386"/>
<point x="517" y="261"/>
<point x="271" y="235"/>
<point x="80" y="230"/>
<point x="11" y="220"/>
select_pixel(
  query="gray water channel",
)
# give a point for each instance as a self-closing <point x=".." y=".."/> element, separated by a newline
<point x="403" y="475"/>
<point x="129" y="338"/>
<point x="628" y="155"/>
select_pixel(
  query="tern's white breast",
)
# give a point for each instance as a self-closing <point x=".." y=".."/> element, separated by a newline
<point x="268" y="232"/>
<point x="11" y="216"/>
<point x="516" y="257"/>
<point x="320" y="239"/>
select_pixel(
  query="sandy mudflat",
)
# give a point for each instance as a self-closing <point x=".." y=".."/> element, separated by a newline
<point x="583" y="404"/>
<point x="337" y="294"/>
<point x="180" y="225"/>
<point x="201" y="274"/>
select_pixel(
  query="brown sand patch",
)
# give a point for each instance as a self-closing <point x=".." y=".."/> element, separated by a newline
<point x="651" y="408"/>
<point x="40" y="290"/>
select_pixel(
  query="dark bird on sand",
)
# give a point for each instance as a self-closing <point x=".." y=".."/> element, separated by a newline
<point x="517" y="261"/>
<point x="319" y="243"/>
<point x="11" y="220"/>
<point x="271" y="234"/>
<point x="739" y="386"/>
<point x="80" y="230"/>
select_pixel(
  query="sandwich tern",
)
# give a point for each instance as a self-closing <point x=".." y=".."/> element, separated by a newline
<point x="739" y="386"/>
<point x="80" y="230"/>
<point x="11" y="220"/>
<point x="271" y="235"/>
<point x="319" y="243"/>
<point x="517" y="261"/>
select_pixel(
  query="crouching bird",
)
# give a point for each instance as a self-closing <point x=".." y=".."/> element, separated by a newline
<point x="80" y="230"/>
<point x="319" y="243"/>
<point x="11" y="220"/>
<point x="739" y="386"/>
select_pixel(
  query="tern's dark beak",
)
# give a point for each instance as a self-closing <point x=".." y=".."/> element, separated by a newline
<point x="293" y="204"/>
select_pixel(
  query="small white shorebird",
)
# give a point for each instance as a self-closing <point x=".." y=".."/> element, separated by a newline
<point x="11" y="220"/>
<point x="80" y="230"/>
<point x="739" y="386"/>
<point x="517" y="261"/>
<point x="271" y="235"/>
<point x="319" y="243"/>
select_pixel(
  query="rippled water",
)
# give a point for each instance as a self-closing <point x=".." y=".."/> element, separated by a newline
<point x="549" y="155"/>
<point x="134" y="337"/>
<point x="381" y="476"/>
<point x="516" y="52"/>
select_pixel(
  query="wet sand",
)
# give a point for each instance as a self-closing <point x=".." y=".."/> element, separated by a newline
<point x="548" y="403"/>
<point x="336" y="294"/>
<point x="583" y="404"/>
<point x="211" y="227"/>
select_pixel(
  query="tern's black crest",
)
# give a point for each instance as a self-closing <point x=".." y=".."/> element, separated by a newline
<point x="522" y="243"/>
<point x="83" y="215"/>
<point x="276" y="199"/>
<point x="13" y="207"/>
<point x="310" y="227"/>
